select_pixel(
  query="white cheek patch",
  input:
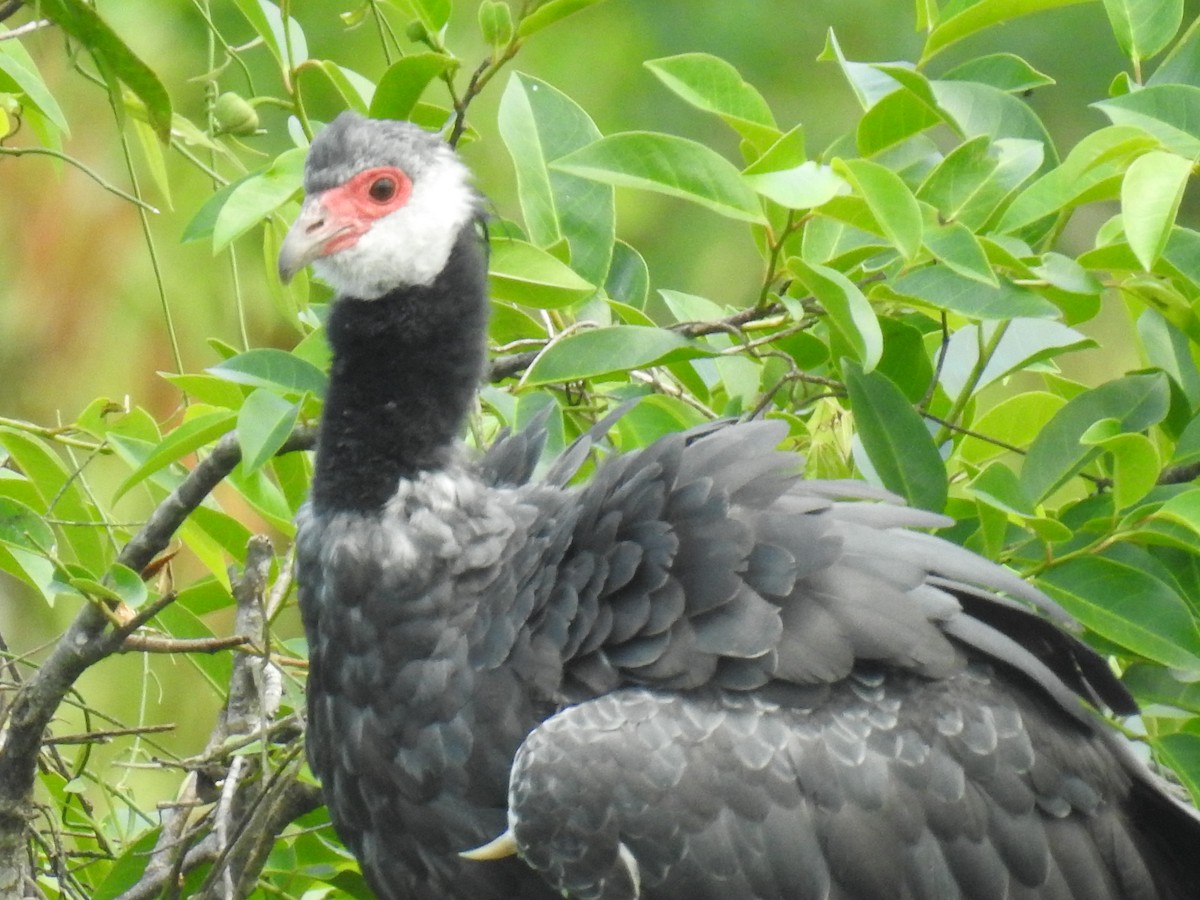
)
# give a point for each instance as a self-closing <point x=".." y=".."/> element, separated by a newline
<point x="410" y="246"/>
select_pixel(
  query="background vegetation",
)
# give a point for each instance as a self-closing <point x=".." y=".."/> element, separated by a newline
<point x="950" y="243"/>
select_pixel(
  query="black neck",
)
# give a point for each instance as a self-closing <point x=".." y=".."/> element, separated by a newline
<point x="405" y="370"/>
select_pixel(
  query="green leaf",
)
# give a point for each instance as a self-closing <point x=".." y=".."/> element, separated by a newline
<point x="1135" y="401"/>
<point x="1127" y="606"/>
<point x="539" y="124"/>
<point x="894" y="119"/>
<point x="955" y="245"/>
<point x="1015" y="421"/>
<point x="1024" y="342"/>
<point x="980" y="109"/>
<point x="974" y="178"/>
<point x="997" y="485"/>
<point x="187" y="438"/>
<point x="549" y="13"/>
<point x="849" y="311"/>
<point x="1152" y="683"/>
<point x="264" y="422"/>
<point x="1150" y="196"/>
<point x="1136" y="461"/>
<point x="868" y="82"/>
<point x="495" y="23"/>
<point x="1183" y="508"/>
<point x="713" y="85"/>
<point x="59" y="492"/>
<point x="1143" y="28"/>
<point x="1181" y="751"/>
<point x="356" y="91"/>
<point x="801" y="187"/>
<point x="618" y="348"/>
<point x="1182" y="64"/>
<point x="17" y="78"/>
<point x="895" y="438"/>
<point x="889" y="199"/>
<point x="272" y="368"/>
<point x="404" y="82"/>
<point x="23" y="527"/>
<point x="975" y="17"/>
<point x="668" y="165"/>
<point x="1003" y="71"/>
<point x="1101" y="156"/>
<point x="528" y="275"/>
<point x="116" y="61"/>
<point x="254" y="199"/>
<point x="1169" y="112"/>
<point x="628" y="276"/>
<point x="944" y="289"/>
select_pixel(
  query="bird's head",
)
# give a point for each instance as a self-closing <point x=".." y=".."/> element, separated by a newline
<point x="385" y="203"/>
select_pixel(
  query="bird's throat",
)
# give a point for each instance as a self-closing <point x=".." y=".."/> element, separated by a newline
<point x="405" y="370"/>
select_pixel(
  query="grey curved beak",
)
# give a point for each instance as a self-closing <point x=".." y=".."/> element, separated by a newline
<point x="306" y="239"/>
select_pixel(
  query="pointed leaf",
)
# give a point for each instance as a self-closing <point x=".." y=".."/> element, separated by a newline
<point x="969" y="19"/>
<point x="1143" y="28"/>
<point x="1169" y="112"/>
<point x="525" y="274"/>
<point x="889" y="198"/>
<point x="1135" y="401"/>
<point x="713" y="85"/>
<point x="264" y="422"/>
<point x="272" y="368"/>
<point x="82" y="22"/>
<point x="849" y="311"/>
<point x="956" y="246"/>
<point x="539" y="124"/>
<point x="1150" y="198"/>
<point x="404" y="82"/>
<point x="944" y="289"/>
<point x="1127" y="606"/>
<point x="548" y="13"/>
<point x="1004" y="71"/>
<point x="187" y="438"/>
<point x="669" y="165"/>
<point x="618" y="348"/>
<point x="895" y="438"/>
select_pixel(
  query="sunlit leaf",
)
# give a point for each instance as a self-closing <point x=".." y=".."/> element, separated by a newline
<point x="618" y="348"/>
<point x="272" y="368"/>
<point x="975" y="17"/>
<point x="1135" y="401"/>
<point x="528" y="275"/>
<point x="713" y="85"/>
<point x="405" y="80"/>
<point x="186" y="439"/>
<point x="1150" y="198"/>
<point x="668" y="165"/>
<point x="539" y="124"/>
<point x="1004" y="71"/>
<point x="1143" y="28"/>
<point x="889" y="198"/>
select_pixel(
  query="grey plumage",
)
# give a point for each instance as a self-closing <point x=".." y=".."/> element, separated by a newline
<point x="695" y="675"/>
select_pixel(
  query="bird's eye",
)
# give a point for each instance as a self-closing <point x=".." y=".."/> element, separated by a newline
<point x="382" y="189"/>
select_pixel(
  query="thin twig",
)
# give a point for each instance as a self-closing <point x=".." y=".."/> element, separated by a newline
<point x="22" y="30"/>
<point x="146" y="643"/>
<point x="82" y="167"/>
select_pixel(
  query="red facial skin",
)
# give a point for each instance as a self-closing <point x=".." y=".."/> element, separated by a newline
<point x="351" y="208"/>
